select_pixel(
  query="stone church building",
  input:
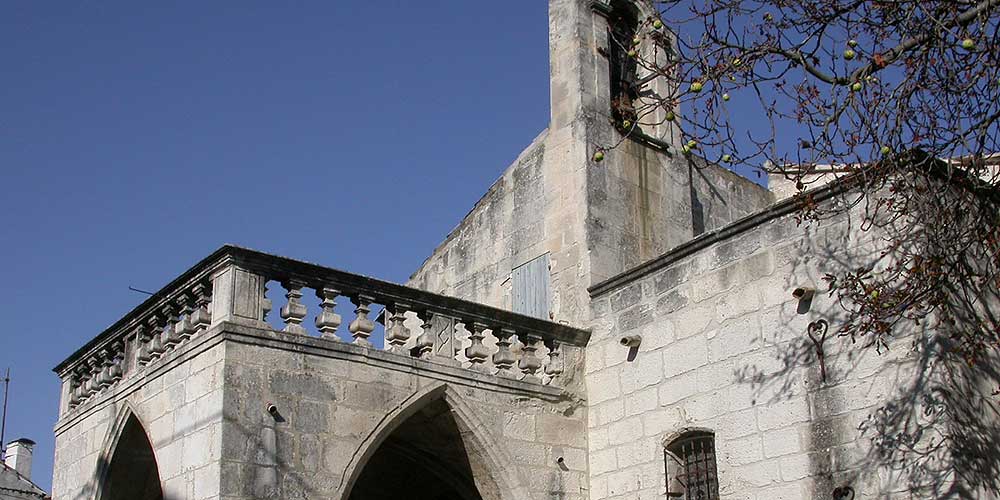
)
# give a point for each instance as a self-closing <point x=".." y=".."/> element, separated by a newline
<point x="629" y="329"/>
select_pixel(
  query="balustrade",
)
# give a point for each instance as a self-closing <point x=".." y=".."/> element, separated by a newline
<point x="230" y="287"/>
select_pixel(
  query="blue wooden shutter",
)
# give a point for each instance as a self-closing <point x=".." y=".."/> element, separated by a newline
<point x="530" y="287"/>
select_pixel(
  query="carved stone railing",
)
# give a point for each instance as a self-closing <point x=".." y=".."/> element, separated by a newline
<point x="230" y="286"/>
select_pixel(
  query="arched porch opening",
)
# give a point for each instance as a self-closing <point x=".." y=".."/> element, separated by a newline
<point x="132" y="473"/>
<point x="426" y="458"/>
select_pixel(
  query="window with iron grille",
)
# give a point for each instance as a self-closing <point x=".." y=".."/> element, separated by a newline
<point x="689" y="460"/>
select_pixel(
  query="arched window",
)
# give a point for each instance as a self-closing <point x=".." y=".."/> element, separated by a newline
<point x="689" y="460"/>
<point x="623" y="21"/>
<point x="132" y="473"/>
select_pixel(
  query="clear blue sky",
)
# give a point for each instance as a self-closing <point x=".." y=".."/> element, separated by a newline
<point x="137" y="137"/>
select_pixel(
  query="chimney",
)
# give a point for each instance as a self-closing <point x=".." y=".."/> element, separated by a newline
<point x="18" y="456"/>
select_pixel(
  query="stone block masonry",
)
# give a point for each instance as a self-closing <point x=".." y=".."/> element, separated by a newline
<point x="724" y="350"/>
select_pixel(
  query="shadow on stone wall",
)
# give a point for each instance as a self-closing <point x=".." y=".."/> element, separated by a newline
<point x="916" y="417"/>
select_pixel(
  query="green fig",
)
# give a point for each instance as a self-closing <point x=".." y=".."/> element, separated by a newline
<point x="598" y="156"/>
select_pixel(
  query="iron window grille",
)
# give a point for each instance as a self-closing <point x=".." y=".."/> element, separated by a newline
<point x="691" y="467"/>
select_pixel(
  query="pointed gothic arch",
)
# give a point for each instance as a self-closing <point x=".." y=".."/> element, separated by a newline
<point x="487" y="472"/>
<point x="127" y="469"/>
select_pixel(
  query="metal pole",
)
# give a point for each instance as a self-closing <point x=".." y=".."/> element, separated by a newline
<point x="3" y="420"/>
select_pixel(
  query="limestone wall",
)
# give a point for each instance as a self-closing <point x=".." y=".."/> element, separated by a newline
<point x="178" y="402"/>
<point x="720" y="196"/>
<point x="642" y="202"/>
<point x="725" y="348"/>
<point x="335" y="405"/>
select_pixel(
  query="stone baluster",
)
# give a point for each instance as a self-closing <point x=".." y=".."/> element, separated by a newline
<point x="85" y="381"/>
<point x="396" y="333"/>
<point x="555" y="365"/>
<point x="74" y="387"/>
<point x="80" y="389"/>
<point x="86" y="377"/>
<point x="327" y="321"/>
<point x="362" y="327"/>
<point x="476" y="352"/>
<point x="105" y="360"/>
<point x="425" y="342"/>
<point x="76" y="395"/>
<point x="117" y="370"/>
<point x="170" y="336"/>
<point x="530" y="363"/>
<point x="93" y="385"/>
<point x="201" y="319"/>
<point x="97" y="367"/>
<point x="294" y="311"/>
<point x="184" y="328"/>
<point x="142" y="355"/>
<point x="503" y="359"/>
<point x="154" y="329"/>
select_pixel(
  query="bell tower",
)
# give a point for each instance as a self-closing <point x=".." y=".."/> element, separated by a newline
<point x="559" y="221"/>
<point x="595" y="74"/>
<point x="636" y="201"/>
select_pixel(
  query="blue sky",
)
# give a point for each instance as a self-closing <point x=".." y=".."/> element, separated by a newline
<point x="137" y="137"/>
